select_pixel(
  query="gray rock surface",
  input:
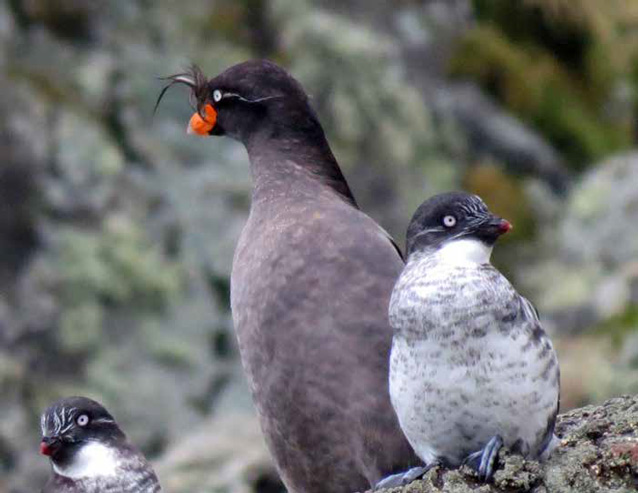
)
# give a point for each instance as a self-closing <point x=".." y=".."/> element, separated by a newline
<point x="227" y="454"/>
<point x="589" y="271"/>
<point x="465" y="121"/>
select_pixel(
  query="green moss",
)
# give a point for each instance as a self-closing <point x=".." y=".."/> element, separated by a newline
<point x="554" y="72"/>
<point x="80" y="327"/>
<point x="171" y="352"/>
<point x="118" y="266"/>
<point x="619" y="326"/>
<point x="114" y="268"/>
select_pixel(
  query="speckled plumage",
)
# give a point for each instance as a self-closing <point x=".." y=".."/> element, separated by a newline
<point x="94" y="456"/>
<point x="469" y="358"/>
<point x="133" y="475"/>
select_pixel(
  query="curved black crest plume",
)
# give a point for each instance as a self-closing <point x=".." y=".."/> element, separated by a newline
<point x="195" y="79"/>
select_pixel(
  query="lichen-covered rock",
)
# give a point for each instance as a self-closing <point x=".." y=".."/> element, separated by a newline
<point x="517" y="52"/>
<point x="589" y="271"/>
<point x="598" y="453"/>
<point x="228" y="454"/>
<point x="583" y="277"/>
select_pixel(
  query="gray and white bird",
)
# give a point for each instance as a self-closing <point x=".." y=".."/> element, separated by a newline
<point x="471" y="368"/>
<point x="89" y="452"/>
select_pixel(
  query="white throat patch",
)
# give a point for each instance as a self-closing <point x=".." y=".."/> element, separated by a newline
<point x="464" y="251"/>
<point x="91" y="461"/>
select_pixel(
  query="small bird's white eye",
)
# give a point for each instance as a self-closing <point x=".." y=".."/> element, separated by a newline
<point x="217" y="95"/>
<point x="82" y="420"/>
<point x="449" y="221"/>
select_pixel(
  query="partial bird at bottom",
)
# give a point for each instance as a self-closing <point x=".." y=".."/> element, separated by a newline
<point x="89" y="453"/>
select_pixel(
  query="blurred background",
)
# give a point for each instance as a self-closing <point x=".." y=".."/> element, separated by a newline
<point x="117" y="229"/>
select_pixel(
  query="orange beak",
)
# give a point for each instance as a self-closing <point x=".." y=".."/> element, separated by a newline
<point x="203" y="126"/>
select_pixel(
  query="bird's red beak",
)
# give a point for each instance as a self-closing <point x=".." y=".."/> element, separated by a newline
<point x="49" y="445"/>
<point x="203" y="126"/>
<point x="45" y="448"/>
<point x="505" y="226"/>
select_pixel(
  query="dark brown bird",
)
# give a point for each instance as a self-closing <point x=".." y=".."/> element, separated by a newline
<point x="311" y="280"/>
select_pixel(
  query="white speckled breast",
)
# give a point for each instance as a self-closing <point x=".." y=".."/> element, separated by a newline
<point x="469" y="360"/>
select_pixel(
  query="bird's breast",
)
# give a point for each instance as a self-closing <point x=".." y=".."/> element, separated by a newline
<point x="444" y="303"/>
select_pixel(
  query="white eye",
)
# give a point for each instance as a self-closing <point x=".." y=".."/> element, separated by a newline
<point x="82" y="420"/>
<point x="449" y="221"/>
<point x="217" y="95"/>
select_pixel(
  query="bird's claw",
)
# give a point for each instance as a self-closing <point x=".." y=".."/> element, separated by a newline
<point x="403" y="478"/>
<point x="484" y="461"/>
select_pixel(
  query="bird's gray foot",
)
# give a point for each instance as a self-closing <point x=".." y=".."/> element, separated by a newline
<point x="484" y="460"/>
<point x="403" y="478"/>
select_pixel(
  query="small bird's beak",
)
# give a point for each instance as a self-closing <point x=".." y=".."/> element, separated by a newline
<point x="504" y="226"/>
<point x="49" y="445"/>
<point x="203" y="126"/>
<point x="499" y="225"/>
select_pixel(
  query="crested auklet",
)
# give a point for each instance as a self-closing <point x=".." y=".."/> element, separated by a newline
<point x="311" y="280"/>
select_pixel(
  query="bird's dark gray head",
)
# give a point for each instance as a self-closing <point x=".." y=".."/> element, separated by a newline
<point x="251" y="97"/>
<point x="70" y="423"/>
<point x="453" y="216"/>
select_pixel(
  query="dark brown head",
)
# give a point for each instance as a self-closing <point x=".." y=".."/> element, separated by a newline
<point x="250" y="98"/>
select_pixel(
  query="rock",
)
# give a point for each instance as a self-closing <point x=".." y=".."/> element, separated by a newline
<point x="598" y="453"/>
<point x="493" y="133"/>
<point x="228" y="454"/>
<point x="600" y="211"/>
<point x="582" y="276"/>
<point x="360" y="89"/>
<point x="588" y="271"/>
<point x="426" y="36"/>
